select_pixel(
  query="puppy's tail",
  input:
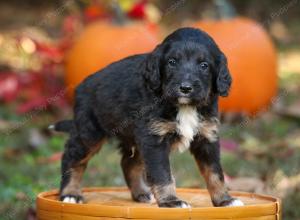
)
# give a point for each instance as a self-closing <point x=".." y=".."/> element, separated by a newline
<point x="62" y="126"/>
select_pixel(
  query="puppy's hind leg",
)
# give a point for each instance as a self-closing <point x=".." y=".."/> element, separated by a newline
<point x="75" y="159"/>
<point x="134" y="173"/>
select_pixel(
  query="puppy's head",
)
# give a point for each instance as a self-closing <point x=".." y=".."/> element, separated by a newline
<point x="187" y="68"/>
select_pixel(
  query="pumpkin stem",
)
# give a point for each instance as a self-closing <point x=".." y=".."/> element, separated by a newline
<point x="119" y="16"/>
<point x="225" y="9"/>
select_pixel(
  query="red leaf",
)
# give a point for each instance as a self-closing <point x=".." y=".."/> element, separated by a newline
<point x="9" y="86"/>
<point x="50" y="51"/>
<point x="229" y="145"/>
<point x="138" y="10"/>
<point x="38" y="104"/>
<point x="53" y="158"/>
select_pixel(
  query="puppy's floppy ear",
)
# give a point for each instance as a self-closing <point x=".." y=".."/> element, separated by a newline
<point x="223" y="81"/>
<point x="151" y="73"/>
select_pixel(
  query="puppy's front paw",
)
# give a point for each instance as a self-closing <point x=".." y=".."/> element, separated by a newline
<point x="176" y="203"/>
<point x="235" y="202"/>
<point x="71" y="199"/>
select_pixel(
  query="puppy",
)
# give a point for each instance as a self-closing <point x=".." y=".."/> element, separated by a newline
<point x="152" y="103"/>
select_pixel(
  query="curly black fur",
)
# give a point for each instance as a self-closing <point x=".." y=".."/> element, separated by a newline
<point x="137" y="100"/>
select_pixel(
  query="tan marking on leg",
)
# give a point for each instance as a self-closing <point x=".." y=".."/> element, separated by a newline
<point x="76" y="173"/>
<point x="137" y="180"/>
<point x="215" y="186"/>
<point x="162" y="128"/>
<point x="162" y="192"/>
<point x="73" y="187"/>
<point x="209" y="128"/>
<point x="134" y="172"/>
<point x="92" y="152"/>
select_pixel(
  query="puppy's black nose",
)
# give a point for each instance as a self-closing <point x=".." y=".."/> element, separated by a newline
<point x="186" y="88"/>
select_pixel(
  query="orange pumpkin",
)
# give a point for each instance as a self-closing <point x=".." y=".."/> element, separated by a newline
<point x="252" y="62"/>
<point x="102" y="43"/>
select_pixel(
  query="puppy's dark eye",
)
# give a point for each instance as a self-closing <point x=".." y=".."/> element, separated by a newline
<point x="203" y="65"/>
<point x="172" y="62"/>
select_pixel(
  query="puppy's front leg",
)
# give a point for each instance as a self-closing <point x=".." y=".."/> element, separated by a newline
<point x="155" y="154"/>
<point x="207" y="155"/>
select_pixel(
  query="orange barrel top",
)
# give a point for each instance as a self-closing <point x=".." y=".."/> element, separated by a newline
<point x="116" y="204"/>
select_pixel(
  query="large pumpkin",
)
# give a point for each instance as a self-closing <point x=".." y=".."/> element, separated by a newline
<point x="102" y="43"/>
<point x="252" y="62"/>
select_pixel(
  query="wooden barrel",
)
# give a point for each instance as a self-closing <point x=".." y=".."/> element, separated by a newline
<point x="116" y="204"/>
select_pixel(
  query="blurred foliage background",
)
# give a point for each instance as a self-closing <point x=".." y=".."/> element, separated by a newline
<point x="260" y="154"/>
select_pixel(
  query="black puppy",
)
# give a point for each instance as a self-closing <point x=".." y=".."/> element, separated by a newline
<point x="153" y="103"/>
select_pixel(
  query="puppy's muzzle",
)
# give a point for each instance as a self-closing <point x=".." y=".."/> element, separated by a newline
<point x="186" y="88"/>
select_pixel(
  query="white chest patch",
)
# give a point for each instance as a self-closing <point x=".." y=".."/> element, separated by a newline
<point x="187" y="126"/>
